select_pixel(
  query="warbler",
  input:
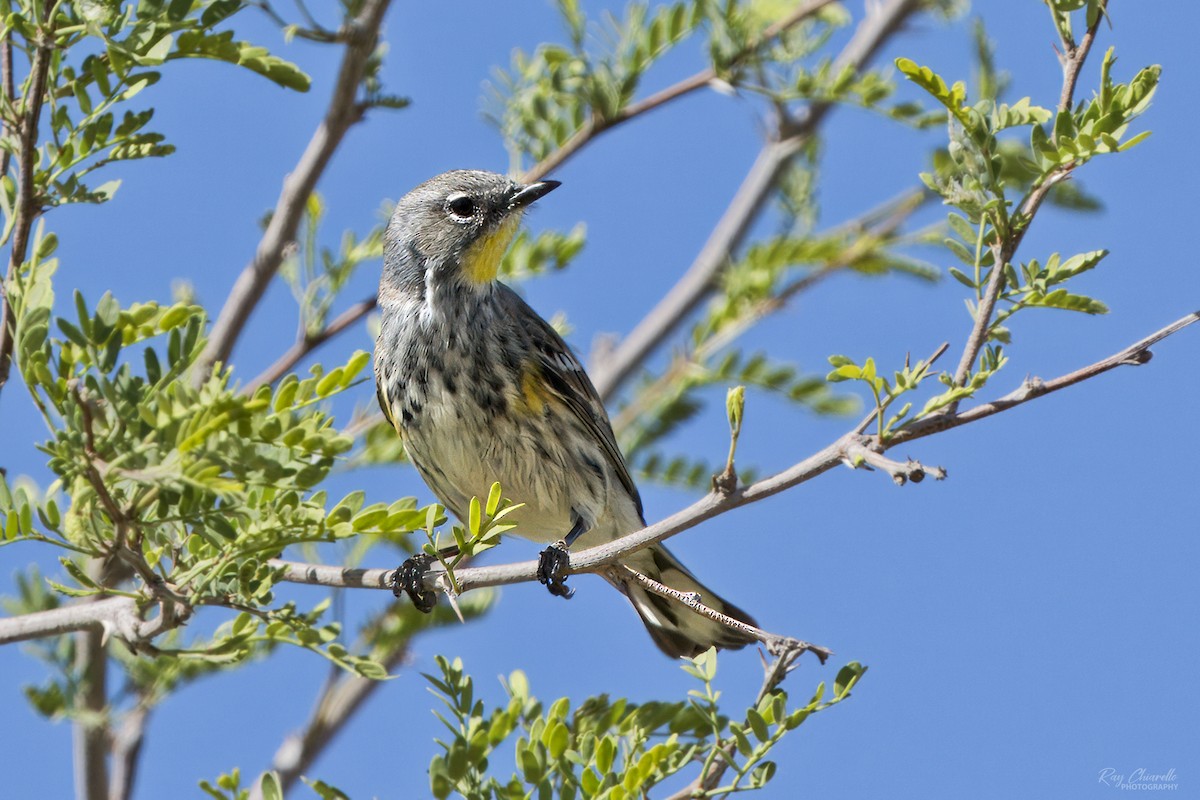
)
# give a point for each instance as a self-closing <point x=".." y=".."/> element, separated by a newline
<point x="482" y="389"/>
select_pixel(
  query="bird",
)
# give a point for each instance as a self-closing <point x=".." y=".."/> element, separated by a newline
<point x="482" y="389"/>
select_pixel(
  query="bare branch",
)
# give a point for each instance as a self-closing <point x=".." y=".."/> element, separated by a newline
<point x="343" y="112"/>
<point x="1134" y="355"/>
<point x="751" y="196"/>
<point x="597" y="559"/>
<point x="902" y="473"/>
<point x="126" y="751"/>
<point x="310" y="343"/>
<point x="90" y="728"/>
<point x="117" y="617"/>
<point x="1073" y="56"/>
<point x="113" y="613"/>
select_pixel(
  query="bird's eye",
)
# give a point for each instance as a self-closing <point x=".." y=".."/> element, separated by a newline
<point x="461" y="206"/>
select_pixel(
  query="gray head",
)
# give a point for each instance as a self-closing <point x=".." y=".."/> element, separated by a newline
<point x="456" y="225"/>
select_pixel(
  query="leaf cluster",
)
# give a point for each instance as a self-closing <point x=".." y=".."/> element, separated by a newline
<point x="606" y="748"/>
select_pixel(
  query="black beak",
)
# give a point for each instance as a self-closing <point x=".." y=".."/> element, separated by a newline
<point x="527" y="194"/>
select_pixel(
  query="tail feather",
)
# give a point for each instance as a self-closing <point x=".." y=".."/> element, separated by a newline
<point x="675" y="628"/>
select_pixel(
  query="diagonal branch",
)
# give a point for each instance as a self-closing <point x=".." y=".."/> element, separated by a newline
<point x="308" y="344"/>
<point x="344" y="111"/>
<point x="597" y="559"/>
<point x="119" y="616"/>
<point x="1073" y="58"/>
<point x="337" y="704"/>
<point x="731" y="230"/>
<point x="595" y="126"/>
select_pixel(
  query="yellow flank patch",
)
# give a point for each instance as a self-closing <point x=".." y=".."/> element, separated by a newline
<point x="533" y="392"/>
<point x="481" y="262"/>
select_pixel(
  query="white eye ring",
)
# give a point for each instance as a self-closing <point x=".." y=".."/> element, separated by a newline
<point x="461" y="207"/>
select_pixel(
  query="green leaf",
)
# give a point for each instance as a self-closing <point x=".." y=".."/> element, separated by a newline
<point x="221" y="47"/>
<point x="757" y="725"/>
<point x="270" y="788"/>
<point x="952" y="97"/>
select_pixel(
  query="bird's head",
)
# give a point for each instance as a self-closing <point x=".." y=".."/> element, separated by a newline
<point x="455" y="227"/>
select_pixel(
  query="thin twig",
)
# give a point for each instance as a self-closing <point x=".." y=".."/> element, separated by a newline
<point x="310" y="343"/>
<point x="1134" y="355"/>
<point x="9" y="89"/>
<point x="596" y="125"/>
<point x="1073" y="59"/>
<point x="596" y="559"/>
<point x="27" y="208"/>
<point x="729" y="233"/>
<point x="343" y="112"/>
<point x="898" y="210"/>
<point x="710" y="776"/>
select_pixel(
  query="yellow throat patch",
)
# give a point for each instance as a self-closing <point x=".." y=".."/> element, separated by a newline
<point x="481" y="262"/>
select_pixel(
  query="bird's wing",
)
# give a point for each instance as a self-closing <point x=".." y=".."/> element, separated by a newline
<point x="565" y="377"/>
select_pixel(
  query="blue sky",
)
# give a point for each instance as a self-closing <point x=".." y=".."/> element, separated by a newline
<point x="1028" y="622"/>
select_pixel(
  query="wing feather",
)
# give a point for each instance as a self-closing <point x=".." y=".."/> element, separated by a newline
<point x="566" y="378"/>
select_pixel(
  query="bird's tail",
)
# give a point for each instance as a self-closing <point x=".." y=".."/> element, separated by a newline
<point x="675" y="628"/>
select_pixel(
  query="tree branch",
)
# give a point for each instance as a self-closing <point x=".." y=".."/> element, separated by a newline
<point x="1073" y="59"/>
<point x="337" y="704"/>
<point x="595" y="126"/>
<point x="26" y="203"/>
<point x="774" y="674"/>
<point x="90" y="727"/>
<point x="587" y="133"/>
<point x="343" y="112"/>
<point x="874" y="225"/>
<point x="119" y="616"/>
<point x="731" y="230"/>
<point x="1136" y="354"/>
<point x="112" y="616"/>
<point x="127" y="750"/>
<point x="597" y="559"/>
<point x="310" y="343"/>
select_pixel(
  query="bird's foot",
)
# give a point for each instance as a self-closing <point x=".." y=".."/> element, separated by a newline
<point x="552" y="569"/>
<point x="407" y="580"/>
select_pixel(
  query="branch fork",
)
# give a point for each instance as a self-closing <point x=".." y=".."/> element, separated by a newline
<point x="869" y="454"/>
